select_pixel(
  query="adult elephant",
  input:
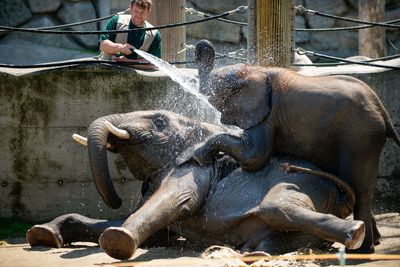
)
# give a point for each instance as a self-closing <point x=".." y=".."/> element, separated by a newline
<point x="266" y="210"/>
<point x="336" y="122"/>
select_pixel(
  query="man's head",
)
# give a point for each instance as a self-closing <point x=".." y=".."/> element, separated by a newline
<point x="140" y="9"/>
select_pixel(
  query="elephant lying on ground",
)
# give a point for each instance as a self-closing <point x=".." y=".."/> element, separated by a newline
<point x="336" y="122"/>
<point x="268" y="210"/>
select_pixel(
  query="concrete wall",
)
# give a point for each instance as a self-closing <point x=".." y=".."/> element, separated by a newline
<point x="44" y="173"/>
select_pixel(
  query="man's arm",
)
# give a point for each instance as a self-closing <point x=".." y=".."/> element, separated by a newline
<point x="112" y="48"/>
<point x="140" y="66"/>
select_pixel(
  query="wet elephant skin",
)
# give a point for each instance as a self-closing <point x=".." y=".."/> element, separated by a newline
<point x="269" y="210"/>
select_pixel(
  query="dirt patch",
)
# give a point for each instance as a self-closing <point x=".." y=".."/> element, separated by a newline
<point x="17" y="252"/>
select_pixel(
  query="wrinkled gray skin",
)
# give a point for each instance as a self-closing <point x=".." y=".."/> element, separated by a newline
<point x="268" y="210"/>
<point x="335" y="122"/>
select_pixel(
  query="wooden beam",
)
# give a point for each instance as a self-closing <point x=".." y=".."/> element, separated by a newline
<point x="165" y="12"/>
<point x="274" y="23"/>
<point x="372" y="41"/>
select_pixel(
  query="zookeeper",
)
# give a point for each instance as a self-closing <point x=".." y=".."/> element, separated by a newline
<point x="118" y="46"/>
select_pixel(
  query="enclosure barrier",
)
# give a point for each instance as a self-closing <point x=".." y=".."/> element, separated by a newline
<point x="240" y="53"/>
<point x="206" y="17"/>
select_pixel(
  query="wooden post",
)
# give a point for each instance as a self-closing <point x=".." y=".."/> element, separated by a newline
<point x="165" y="12"/>
<point x="252" y="32"/>
<point x="292" y="32"/>
<point x="274" y="22"/>
<point x="372" y="41"/>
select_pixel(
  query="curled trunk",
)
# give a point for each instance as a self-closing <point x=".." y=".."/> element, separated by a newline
<point x="97" y="150"/>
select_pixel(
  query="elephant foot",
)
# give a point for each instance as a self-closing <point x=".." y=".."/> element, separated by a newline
<point x="41" y="235"/>
<point x="366" y="248"/>
<point x="355" y="236"/>
<point x="118" y="243"/>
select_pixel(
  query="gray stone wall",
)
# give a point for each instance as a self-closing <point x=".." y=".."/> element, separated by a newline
<point x="31" y="48"/>
<point x="24" y="48"/>
<point x="342" y="44"/>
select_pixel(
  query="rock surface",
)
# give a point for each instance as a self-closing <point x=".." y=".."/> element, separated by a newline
<point x="227" y="37"/>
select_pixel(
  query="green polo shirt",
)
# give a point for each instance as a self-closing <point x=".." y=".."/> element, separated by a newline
<point x="135" y="38"/>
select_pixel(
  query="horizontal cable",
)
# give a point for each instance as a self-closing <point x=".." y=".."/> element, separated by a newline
<point x="239" y="9"/>
<point x="346" y="63"/>
<point x="70" y="63"/>
<point x="127" y="11"/>
<point x="344" y="28"/>
<point x="302" y="51"/>
<point x="66" y="25"/>
<point x="192" y="11"/>
<point x="94" y="60"/>
<point x="303" y="10"/>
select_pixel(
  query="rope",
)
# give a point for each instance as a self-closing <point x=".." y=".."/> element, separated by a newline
<point x="227" y="13"/>
<point x="66" y="25"/>
<point x="185" y="48"/>
<point x="240" y="52"/>
<point x="302" y="51"/>
<point x="303" y="10"/>
<point x="69" y="63"/>
<point x="347" y="63"/>
<point x="192" y="11"/>
<point x="76" y="23"/>
<point x="343" y="28"/>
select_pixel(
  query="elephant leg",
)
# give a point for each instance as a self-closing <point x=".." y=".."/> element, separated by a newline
<point x="179" y="196"/>
<point x="67" y="229"/>
<point x="362" y="176"/>
<point x="291" y="210"/>
<point x="377" y="234"/>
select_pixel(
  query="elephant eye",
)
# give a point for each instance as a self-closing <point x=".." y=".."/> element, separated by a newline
<point x="159" y="122"/>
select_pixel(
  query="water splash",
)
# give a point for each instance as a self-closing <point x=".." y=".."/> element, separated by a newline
<point x="189" y="83"/>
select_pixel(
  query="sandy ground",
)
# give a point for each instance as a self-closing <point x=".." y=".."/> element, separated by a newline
<point x="17" y="252"/>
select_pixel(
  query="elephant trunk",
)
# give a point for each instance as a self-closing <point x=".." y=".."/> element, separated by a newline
<point x="204" y="57"/>
<point x="97" y="150"/>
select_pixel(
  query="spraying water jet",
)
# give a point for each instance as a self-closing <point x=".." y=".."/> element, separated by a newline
<point x="189" y="83"/>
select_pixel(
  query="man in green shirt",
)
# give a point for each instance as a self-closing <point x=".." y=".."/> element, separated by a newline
<point x="118" y="46"/>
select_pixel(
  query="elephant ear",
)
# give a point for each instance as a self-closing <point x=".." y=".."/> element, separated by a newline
<point x="249" y="105"/>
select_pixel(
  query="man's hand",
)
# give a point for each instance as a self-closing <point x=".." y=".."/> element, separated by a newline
<point x="137" y="66"/>
<point x="115" y="48"/>
<point x="126" y="49"/>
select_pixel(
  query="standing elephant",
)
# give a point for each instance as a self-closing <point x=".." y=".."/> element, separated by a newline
<point x="268" y="210"/>
<point x="335" y="122"/>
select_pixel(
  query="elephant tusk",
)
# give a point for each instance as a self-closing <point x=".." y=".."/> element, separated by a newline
<point x="80" y="139"/>
<point x="83" y="140"/>
<point x="118" y="132"/>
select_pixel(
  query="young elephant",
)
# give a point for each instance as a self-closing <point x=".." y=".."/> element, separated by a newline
<point x="267" y="210"/>
<point x="336" y="122"/>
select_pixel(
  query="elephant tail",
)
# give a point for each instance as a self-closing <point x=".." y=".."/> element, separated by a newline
<point x="391" y="132"/>
<point x="340" y="183"/>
